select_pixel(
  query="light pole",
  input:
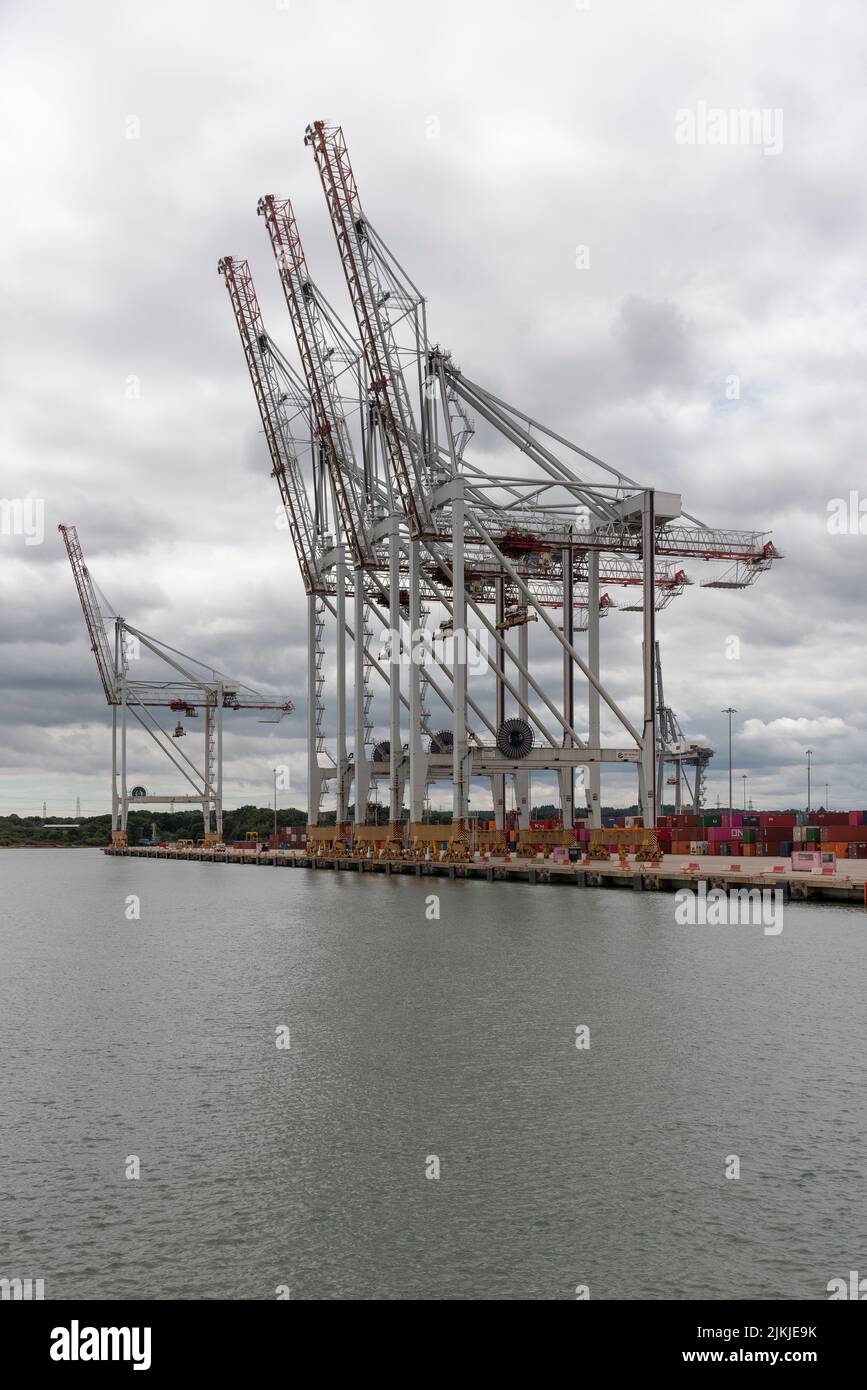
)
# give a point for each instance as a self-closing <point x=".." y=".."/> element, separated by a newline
<point x="827" y="798"/>
<point x="730" y="711"/>
<point x="809" y="756"/>
<point x="275" y="805"/>
<point x="744" y="776"/>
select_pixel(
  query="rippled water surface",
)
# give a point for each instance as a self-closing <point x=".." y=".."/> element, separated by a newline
<point x="411" y="1038"/>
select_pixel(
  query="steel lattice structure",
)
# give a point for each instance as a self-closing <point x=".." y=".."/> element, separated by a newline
<point x="393" y="512"/>
<point x="179" y="683"/>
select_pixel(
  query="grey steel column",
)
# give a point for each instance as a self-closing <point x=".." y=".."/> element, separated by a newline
<point x="594" y="771"/>
<point x="416" y="752"/>
<point x="498" y="783"/>
<point x="567" y="774"/>
<point x="396" y="753"/>
<point x="522" y="777"/>
<point x="219" y="718"/>
<point x="460" y="790"/>
<point x="114" y="820"/>
<point x="362" y="771"/>
<point x="312" y="756"/>
<point x="123" y="796"/>
<point x="648" y="752"/>
<point x="209" y="790"/>
<point x="340" y="605"/>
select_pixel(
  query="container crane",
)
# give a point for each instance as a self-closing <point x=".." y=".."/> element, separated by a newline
<point x="509" y="527"/>
<point x="677" y="752"/>
<point x="176" y="682"/>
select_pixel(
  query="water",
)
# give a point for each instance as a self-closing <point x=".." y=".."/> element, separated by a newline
<point x="410" y="1038"/>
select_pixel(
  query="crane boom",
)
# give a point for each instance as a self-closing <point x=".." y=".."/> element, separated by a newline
<point x="270" y="400"/>
<point x="99" y="643"/>
<point x="370" y="293"/>
<point x="316" y="356"/>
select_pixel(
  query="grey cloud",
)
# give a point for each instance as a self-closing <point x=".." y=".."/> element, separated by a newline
<point x="703" y="263"/>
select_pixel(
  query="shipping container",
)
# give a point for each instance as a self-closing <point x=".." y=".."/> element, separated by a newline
<point x="841" y="833"/>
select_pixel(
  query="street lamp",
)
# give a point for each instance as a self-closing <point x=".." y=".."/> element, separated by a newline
<point x="730" y="711"/>
<point x="275" y="804"/>
<point x="827" y="798"/>
<point x="744" y="776"/>
<point x="809" y="756"/>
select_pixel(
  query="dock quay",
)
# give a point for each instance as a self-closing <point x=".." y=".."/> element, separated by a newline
<point x="673" y="873"/>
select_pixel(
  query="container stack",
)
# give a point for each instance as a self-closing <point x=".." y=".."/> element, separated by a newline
<point x="766" y="834"/>
<point x="843" y="833"/>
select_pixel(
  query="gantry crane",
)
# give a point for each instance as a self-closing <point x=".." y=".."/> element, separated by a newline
<point x="176" y="682"/>
<point x="423" y="524"/>
<point x="373" y="523"/>
<point x="505" y="525"/>
<point x="676" y="751"/>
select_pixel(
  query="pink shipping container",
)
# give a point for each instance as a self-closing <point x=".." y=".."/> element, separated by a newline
<point x="733" y="818"/>
<point x="856" y="817"/>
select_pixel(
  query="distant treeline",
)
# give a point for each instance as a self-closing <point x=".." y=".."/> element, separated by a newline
<point x="178" y="825"/>
<point x="187" y="825"/>
<point x="170" y="825"/>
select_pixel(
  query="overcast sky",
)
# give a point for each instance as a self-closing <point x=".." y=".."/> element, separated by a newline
<point x="714" y="344"/>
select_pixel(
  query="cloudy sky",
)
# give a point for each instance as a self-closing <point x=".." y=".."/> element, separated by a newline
<point x="711" y="338"/>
